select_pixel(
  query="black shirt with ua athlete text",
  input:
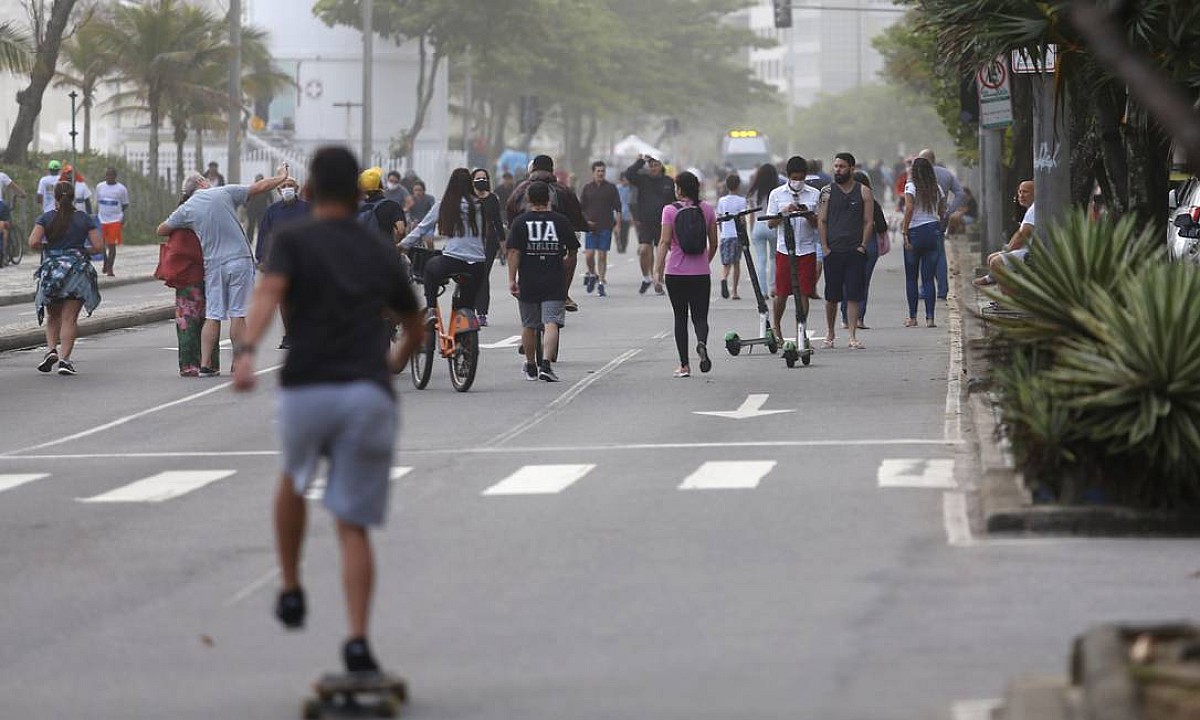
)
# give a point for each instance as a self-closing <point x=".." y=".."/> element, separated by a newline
<point x="341" y="277"/>
<point x="542" y="238"/>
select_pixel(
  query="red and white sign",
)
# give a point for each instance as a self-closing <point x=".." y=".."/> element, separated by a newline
<point x="995" y="95"/>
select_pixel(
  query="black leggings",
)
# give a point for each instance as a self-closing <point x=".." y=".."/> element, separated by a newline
<point x="441" y="268"/>
<point x="689" y="293"/>
<point x="484" y="296"/>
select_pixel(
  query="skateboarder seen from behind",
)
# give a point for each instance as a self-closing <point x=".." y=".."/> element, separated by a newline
<point x="336" y="398"/>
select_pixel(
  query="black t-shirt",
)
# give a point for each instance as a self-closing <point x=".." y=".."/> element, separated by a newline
<point x="341" y="277"/>
<point x="387" y="214"/>
<point x="542" y="238"/>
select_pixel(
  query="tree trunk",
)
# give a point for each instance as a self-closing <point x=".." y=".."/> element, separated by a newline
<point x="426" y="84"/>
<point x="180" y="137"/>
<point x="199" y="150"/>
<point x="155" y="117"/>
<point x="30" y="98"/>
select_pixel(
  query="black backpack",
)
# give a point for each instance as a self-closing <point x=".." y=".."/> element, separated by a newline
<point x="691" y="230"/>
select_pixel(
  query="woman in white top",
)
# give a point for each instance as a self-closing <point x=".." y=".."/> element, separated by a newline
<point x="924" y="206"/>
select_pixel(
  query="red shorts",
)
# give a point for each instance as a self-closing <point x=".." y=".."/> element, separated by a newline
<point x="806" y="268"/>
<point x="111" y="232"/>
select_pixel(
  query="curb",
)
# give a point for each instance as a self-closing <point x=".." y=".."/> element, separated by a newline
<point x="28" y="297"/>
<point x="102" y="321"/>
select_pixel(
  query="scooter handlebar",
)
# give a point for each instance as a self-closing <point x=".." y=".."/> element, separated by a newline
<point x="731" y="216"/>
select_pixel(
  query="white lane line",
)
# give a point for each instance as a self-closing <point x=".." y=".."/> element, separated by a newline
<point x="561" y="401"/>
<point x="316" y="488"/>
<point x="916" y="473"/>
<point x="253" y="587"/>
<point x="509" y="342"/>
<point x="161" y="487"/>
<point x="954" y="515"/>
<point x="662" y="335"/>
<point x="540" y="480"/>
<point x="12" y="480"/>
<point x="134" y="416"/>
<point x="975" y="709"/>
<point x="728" y="475"/>
<point x="525" y="449"/>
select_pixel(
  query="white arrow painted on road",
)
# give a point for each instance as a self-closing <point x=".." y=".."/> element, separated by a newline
<point x="749" y="409"/>
<point x="507" y="342"/>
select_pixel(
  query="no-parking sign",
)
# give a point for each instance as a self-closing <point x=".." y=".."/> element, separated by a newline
<point x="995" y="95"/>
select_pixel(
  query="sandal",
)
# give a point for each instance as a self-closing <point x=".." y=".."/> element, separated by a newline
<point x="910" y="322"/>
<point x="856" y="345"/>
<point x="827" y="344"/>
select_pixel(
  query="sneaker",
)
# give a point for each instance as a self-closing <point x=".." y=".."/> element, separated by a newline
<point x="682" y="373"/>
<point x="658" y="289"/>
<point x="725" y="289"/>
<point x="570" y="305"/>
<point x="705" y="362"/>
<point x="482" y="319"/>
<point x="66" y="367"/>
<point x="645" y="286"/>
<point x="290" y="608"/>
<point x="356" y="654"/>
<point x="531" y="372"/>
<point x="209" y="372"/>
<point x="545" y="372"/>
<point x="600" y="290"/>
<point x="589" y="282"/>
<point x="48" y="362"/>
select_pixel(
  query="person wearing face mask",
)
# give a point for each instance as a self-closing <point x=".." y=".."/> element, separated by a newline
<point x="397" y="193"/>
<point x="493" y="236"/>
<point x="377" y="211"/>
<point x="289" y="210"/>
<point x="794" y="196"/>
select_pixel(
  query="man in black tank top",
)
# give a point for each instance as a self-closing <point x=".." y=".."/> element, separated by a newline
<point x="845" y="220"/>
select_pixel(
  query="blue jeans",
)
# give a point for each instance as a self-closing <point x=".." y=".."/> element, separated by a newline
<point x="869" y="269"/>
<point x="762" y="242"/>
<point x="922" y="262"/>
<point x="942" y="277"/>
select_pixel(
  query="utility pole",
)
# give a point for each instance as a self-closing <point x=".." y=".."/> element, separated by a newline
<point x="233" y="163"/>
<point x="1051" y="154"/>
<point x="368" y="24"/>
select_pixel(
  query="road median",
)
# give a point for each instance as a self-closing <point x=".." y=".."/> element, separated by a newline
<point x="18" y="336"/>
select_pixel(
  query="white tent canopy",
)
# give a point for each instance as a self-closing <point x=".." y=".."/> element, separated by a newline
<point x="631" y="146"/>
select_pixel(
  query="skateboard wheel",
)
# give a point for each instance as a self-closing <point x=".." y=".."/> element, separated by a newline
<point x="386" y="708"/>
<point x="311" y="709"/>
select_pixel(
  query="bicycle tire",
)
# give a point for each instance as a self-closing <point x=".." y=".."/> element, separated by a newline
<point x="420" y="365"/>
<point x="465" y="361"/>
<point x="16" y="248"/>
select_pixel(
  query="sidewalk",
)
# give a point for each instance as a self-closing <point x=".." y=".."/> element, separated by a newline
<point x="135" y="264"/>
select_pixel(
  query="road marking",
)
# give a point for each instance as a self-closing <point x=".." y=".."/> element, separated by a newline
<point x="539" y="480"/>
<point x="10" y="481"/>
<point x="509" y="342"/>
<point x="662" y="335"/>
<point x="748" y="409"/>
<point x="954" y="516"/>
<point x="161" y="487"/>
<point x="975" y="709"/>
<point x="253" y="587"/>
<point x="728" y="475"/>
<point x="916" y="473"/>
<point x="135" y="416"/>
<point x="316" y="488"/>
<point x="561" y="401"/>
<point x="952" y="429"/>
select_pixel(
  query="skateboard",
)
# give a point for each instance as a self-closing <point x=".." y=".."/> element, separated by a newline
<point x="367" y="694"/>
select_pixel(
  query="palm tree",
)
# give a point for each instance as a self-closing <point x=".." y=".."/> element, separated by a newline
<point x="87" y="65"/>
<point x="14" y="49"/>
<point x="156" y="47"/>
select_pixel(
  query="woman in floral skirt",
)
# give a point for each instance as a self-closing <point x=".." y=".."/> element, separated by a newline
<point x="189" y="299"/>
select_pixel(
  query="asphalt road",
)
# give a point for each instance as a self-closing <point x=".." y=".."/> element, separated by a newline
<point x="643" y="581"/>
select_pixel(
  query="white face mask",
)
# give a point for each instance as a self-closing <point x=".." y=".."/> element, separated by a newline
<point x="289" y="193"/>
<point x="393" y="185"/>
<point x="795" y="185"/>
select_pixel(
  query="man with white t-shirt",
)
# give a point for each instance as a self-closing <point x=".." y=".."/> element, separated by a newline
<point x="45" y="188"/>
<point x="5" y="182"/>
<point x="790" y="197"/>
<point x="112" y="199"/>
<point x="1017" y="247"/>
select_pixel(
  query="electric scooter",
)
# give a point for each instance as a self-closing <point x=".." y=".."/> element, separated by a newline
<point x="801" y="347"/>
<point x="766" y="336"/>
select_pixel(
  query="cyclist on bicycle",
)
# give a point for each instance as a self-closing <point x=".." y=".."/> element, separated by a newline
<point x="537" y="244"/>
<point x="5" y="229"/>
<point x="458" y="217"/>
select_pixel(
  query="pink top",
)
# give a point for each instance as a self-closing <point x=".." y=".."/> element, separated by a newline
<point x="679" y="262"/>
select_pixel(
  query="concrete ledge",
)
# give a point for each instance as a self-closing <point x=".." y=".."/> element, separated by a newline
<point x="31" y="335"/>
<point x="1039" y="698"/>
<point x="1093" y="521"/>
<point x="105" y="282"/>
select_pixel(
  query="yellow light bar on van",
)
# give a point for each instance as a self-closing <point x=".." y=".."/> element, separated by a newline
<point x="743" y="133"/>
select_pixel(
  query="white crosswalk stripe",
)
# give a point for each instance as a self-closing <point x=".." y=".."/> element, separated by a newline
<point x="916" y="473"/>
<point x="12" y="480"/>
<point x="161" y="487"/>
<point x="540" y="480"/>
<point x="728" y="475"/>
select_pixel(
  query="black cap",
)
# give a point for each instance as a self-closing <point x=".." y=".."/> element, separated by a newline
<point x="542" y="162"/>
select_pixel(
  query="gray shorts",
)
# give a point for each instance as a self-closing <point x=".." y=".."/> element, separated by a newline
<point x="534" y="315"/>
<point x="227" y="289"/>
<point x="354" y="426"/>
<point x="1021" y="254"/>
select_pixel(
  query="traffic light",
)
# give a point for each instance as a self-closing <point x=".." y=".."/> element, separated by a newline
<point x="783" y="13"/>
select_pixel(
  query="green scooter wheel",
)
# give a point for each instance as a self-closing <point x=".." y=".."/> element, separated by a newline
<point x="733" y="343"/>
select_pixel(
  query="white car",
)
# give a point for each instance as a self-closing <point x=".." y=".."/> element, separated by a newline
<point x="1183" y="237"/>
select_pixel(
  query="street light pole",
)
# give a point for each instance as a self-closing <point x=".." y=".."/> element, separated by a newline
<point x="368" y="24"/>
<point x="234" y="160"/>
<point x="74" y="95"/>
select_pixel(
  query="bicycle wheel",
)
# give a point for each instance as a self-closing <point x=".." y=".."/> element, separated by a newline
<point x="421" y="363"/>
<point x="465" y="361"/>
<point x="16" y="248"/>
